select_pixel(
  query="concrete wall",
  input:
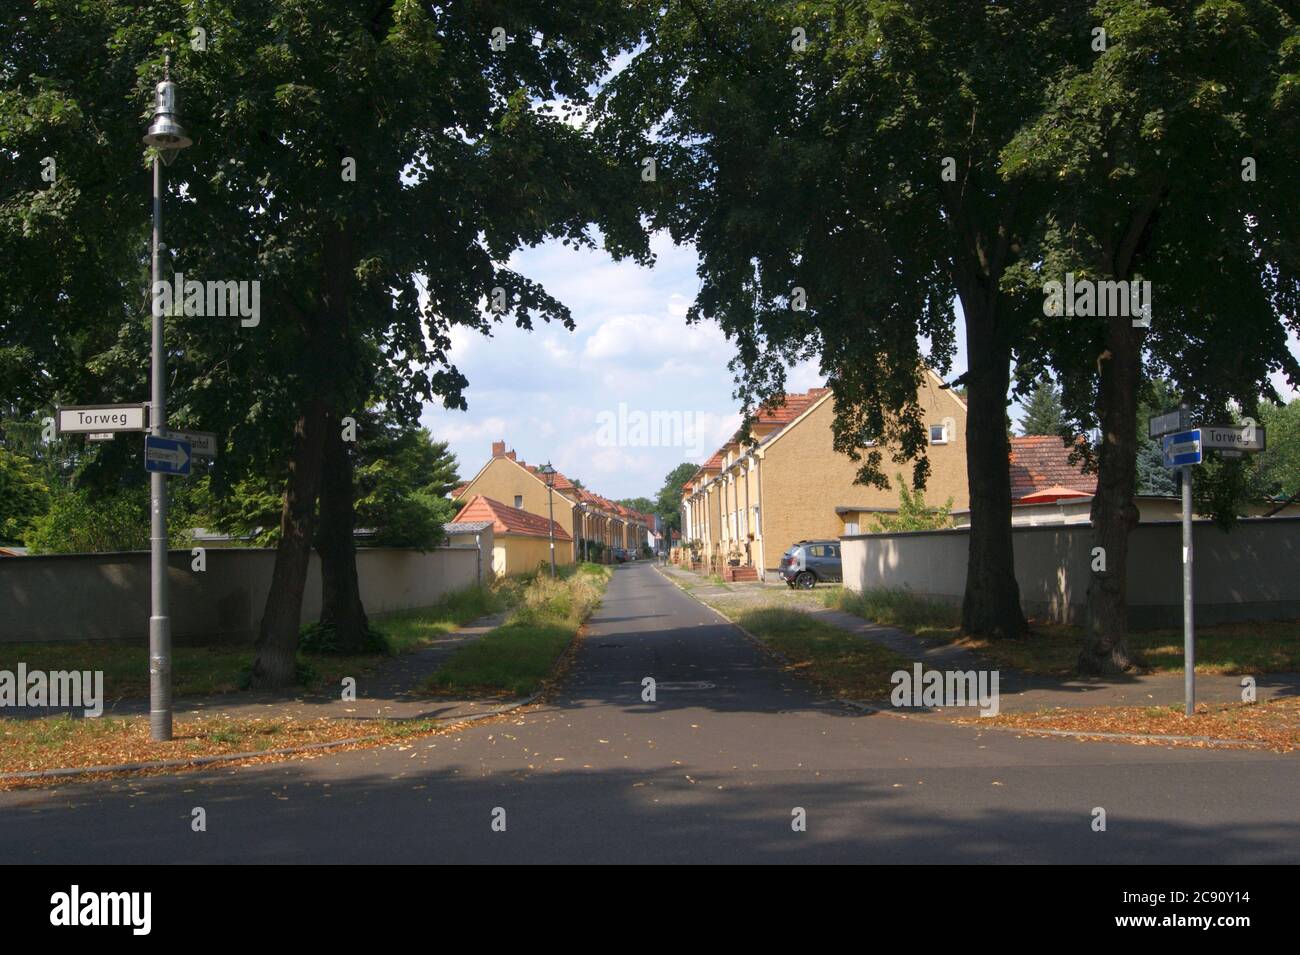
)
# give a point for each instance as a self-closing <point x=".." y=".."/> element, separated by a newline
<point x="106" y="596"/>
<point x="1250" y="573"/>
<point x="805" y="478"/>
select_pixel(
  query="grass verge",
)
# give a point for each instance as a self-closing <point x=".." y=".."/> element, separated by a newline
<point x="202" y="671"/>
<point x="514" y="659"/>
<point x="1273" y="725"/>
<point x="65" y="742"/>
<point x="1269" y="646"/>
<point x="839" y="663"/>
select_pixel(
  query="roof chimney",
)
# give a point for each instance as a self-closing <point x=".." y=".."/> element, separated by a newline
<point x="510" y="455"/>
<point x="498" y="449"/>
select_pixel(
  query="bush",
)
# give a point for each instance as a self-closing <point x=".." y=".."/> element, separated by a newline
<point x="322" y="638"/>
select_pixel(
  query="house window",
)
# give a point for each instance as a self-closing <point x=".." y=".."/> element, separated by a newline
<point x="519" y="501"/>
<point x="850" y="527"/>
<point x="938" y="434"/>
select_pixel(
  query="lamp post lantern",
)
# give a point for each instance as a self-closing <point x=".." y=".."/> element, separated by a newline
<point x="548" y="473"/>
<point x="168" y="137"/>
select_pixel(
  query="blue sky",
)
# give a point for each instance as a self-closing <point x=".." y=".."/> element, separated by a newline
<point x="555" y="394"/>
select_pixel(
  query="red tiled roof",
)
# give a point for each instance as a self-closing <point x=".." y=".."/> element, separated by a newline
<point x="791" y="407"/>
<point x="562" y="483"/>
<point x="1039" y="462"/>
<point x="509" y="520"/>
<point x="457" y="492"/>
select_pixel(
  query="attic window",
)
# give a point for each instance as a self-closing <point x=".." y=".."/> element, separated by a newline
<point x="938" y="434"/>
<point x="519" y="502"/>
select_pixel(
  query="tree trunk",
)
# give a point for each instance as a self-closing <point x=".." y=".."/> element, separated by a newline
<point x="341" y="604"/>
<point x="277" y="640"/>
<point x="1114" y="512"/>
<point x="991" y="605"/>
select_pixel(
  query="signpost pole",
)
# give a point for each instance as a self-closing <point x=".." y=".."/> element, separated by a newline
<point x="160" y="637"/>
<point x="1189" y="638"/>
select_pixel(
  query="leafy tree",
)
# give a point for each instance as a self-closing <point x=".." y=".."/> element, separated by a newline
<point x="668" y="503"/>
<point x="373" y="166"/>
<point x="1170" y="157"/>
<point x="402" y="482"/>
<point x="24" y="496"/>
<point x="1279" y="464"/>
<point x="842" y="193"/>
<point x="913" y="513"/>
<point x="1152" y="476"/>
<point x="641" y="504"/>
<point x="1043" y="412"/>
<point x="86" y="521"/>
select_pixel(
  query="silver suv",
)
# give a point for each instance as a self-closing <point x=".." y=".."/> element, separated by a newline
<point x="808" y="562"/>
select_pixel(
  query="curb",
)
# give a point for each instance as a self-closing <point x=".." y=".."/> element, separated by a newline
<point x="1161" y="737"/>
<point x="232" y="757"/>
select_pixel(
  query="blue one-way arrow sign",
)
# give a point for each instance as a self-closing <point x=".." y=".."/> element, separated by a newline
<point x="1181" y="448"/>
<point x="166" y="455"/>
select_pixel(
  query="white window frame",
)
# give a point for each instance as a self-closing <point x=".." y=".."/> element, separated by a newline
<point x="943" y="430"/>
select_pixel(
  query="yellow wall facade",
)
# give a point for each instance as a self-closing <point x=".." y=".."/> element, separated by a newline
<point x="804" y="478"/>
<point x="513" y="554"/>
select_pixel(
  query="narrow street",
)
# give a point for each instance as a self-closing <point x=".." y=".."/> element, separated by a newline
<point x="710" y="771"/>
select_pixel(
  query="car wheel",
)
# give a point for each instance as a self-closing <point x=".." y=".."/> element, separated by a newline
<point x="805" y="580"/>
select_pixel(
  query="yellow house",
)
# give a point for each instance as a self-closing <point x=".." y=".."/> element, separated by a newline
<point x="586" y="518"/>
<point x="520" y="542"/>
<point x="749" y="503"/>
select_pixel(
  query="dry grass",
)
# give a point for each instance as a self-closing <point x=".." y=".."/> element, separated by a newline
<point x="66" y="743"/>
<point x="1273" y="725"/>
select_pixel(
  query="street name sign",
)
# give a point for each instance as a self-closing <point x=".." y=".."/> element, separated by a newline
<point x="203" y="444"/>
<point x="99" y="419"/>
<point x="166" y="455"/>
<point x="1231" y="437"/>
<point x="1181" y="449"/>
<point x="1177" y="420"/>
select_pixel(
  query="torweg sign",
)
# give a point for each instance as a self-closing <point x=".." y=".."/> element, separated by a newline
<point x="100" y="419"/>
<point x="1232" y="437"/>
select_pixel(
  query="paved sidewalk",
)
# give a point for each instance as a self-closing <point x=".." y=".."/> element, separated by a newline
<point x="390" y="691"/>
<point x="1018" y="691"/>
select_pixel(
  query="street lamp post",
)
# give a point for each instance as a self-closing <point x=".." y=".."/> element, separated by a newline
<point x="582" y="518"/>
<point x="168" y="137"/>
<point x="548" y="473"/>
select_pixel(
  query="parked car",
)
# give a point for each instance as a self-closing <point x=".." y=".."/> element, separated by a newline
<point x="620" y="555"/>
<point x="807" y="563"/>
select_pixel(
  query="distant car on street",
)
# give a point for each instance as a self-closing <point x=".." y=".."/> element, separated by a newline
<point x="810" y="562"/>
<point x="620" y="555"/>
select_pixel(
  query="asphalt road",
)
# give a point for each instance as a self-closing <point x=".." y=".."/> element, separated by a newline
<point x="710" y="772"/>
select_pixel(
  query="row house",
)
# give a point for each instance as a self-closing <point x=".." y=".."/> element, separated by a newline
<point x="593" y="525"/>
<point x="750" y="502"/>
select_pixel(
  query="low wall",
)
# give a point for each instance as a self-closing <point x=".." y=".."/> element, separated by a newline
<point x="1249" y="573"/>
<point x="64" y="597"/>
